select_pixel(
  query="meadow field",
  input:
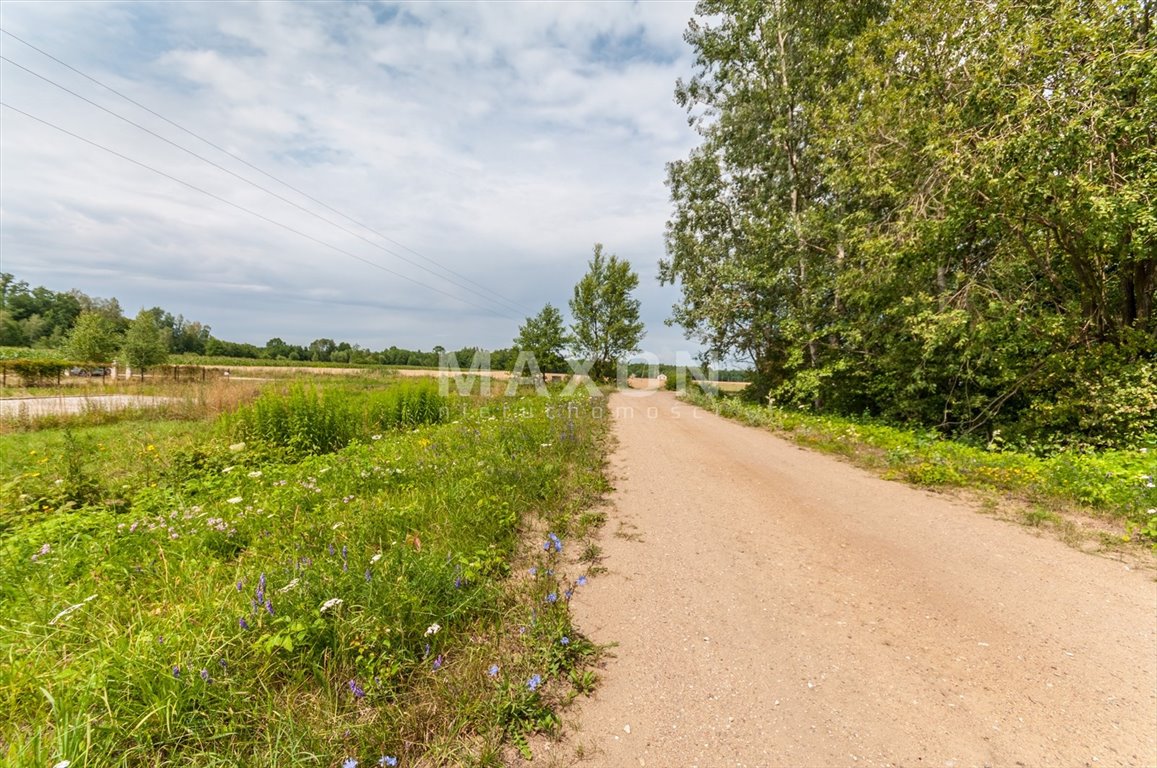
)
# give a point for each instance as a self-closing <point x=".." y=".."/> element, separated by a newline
<point x="327" y="572"/>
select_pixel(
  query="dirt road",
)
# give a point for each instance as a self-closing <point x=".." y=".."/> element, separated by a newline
<point x="32" y="407"/>
<point x="775" y="607"/>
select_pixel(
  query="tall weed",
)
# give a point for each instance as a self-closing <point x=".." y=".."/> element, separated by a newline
<point x="309" y="421"/>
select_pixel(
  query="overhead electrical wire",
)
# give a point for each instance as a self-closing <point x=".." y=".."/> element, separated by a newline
<point x="249" y="211"/>
<point x="253" y="184"/>
<point x="306" y="195"/>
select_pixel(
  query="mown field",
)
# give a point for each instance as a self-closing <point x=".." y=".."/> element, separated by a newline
<point x="335" y="573"/>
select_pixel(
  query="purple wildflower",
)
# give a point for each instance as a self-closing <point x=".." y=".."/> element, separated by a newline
<point x="582" y="581"/>
<point x="240" y="585"/>
<point x="534" y="682"/>
<point x="438" y="662"/>
<point x="349" y="762"/>
<point x="177" y="672"/>
<point x="269" y="607"/>
<point x="243" y="623"/>
<point x="331" y="549"/>
<point x="356" y="689"/>
<point x="205" y="676"/>
<point x="565" y="640"/>
<point x="388" y="760"/>
<point x="369" y="576"/>
<point x="533" y="571"/>
<point x="493" y="671"/>
<point x="552" y="598"/>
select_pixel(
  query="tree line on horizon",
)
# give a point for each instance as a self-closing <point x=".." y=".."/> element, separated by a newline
<point x="45" y="319"/>
<point x="939" y="213"/>
<point x="606" y="328"/>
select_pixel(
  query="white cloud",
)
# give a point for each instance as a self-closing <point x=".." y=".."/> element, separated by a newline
<point x="501" y="139"/>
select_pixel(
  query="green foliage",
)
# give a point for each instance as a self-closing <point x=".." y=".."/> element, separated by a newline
<point x="544" y="336"/>
<point x="606" y="317"/>
<point x="308" y="421"/>
<point x="145" y="345"/>
<point x="939" y="214"/>
<point x="35" y="372"/>
<point x="35" y="316"/>
<point x="240" y="606"/>
<point x="93" y="339"/>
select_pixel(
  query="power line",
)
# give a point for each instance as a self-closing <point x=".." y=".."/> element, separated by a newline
<point x="248" y="210"/>
<point x="250" y="182"/>
<point x="286" y="184"/>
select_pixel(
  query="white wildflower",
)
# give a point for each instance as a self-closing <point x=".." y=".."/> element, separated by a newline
<point x="378" y="556"/>
<point x="337" y="525"/>
<point x="432" y="629"/>
<point x="333" y="602"/>
<point x="228" y="469"/>
<point x="255" y="473"/>
<point x="375" y="437"/>
<point x="289" y="586"/>
<point x="237" y="447"/>
<point x="235" y="500"/>
<point x="63" y="764"/>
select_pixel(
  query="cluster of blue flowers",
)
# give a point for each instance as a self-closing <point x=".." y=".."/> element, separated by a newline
<point x="388" y="761"/>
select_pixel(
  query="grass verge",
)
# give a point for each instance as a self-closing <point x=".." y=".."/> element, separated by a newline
<point x="1117" y="486"/>
<point x="170" y="595"/>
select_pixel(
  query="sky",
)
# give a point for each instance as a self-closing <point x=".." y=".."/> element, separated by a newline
<point x="479" y="149"/>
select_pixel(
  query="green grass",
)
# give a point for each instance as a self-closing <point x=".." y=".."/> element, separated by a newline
<point x="1116" y="484"/>
<point x="162" y="588"/>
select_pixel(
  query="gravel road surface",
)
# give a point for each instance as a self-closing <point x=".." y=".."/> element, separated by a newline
<point x="13" y="407"/>
<point x="772" y="606"/>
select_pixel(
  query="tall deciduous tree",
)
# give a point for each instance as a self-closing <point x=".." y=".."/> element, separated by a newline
<point x="751" y="241"/>
<point x="545" y="337"/>
<point x="938" y="212"/>
<point x="606" y="323"/>
<point x="93" y="339"/>
<point x="145" y="344"/>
